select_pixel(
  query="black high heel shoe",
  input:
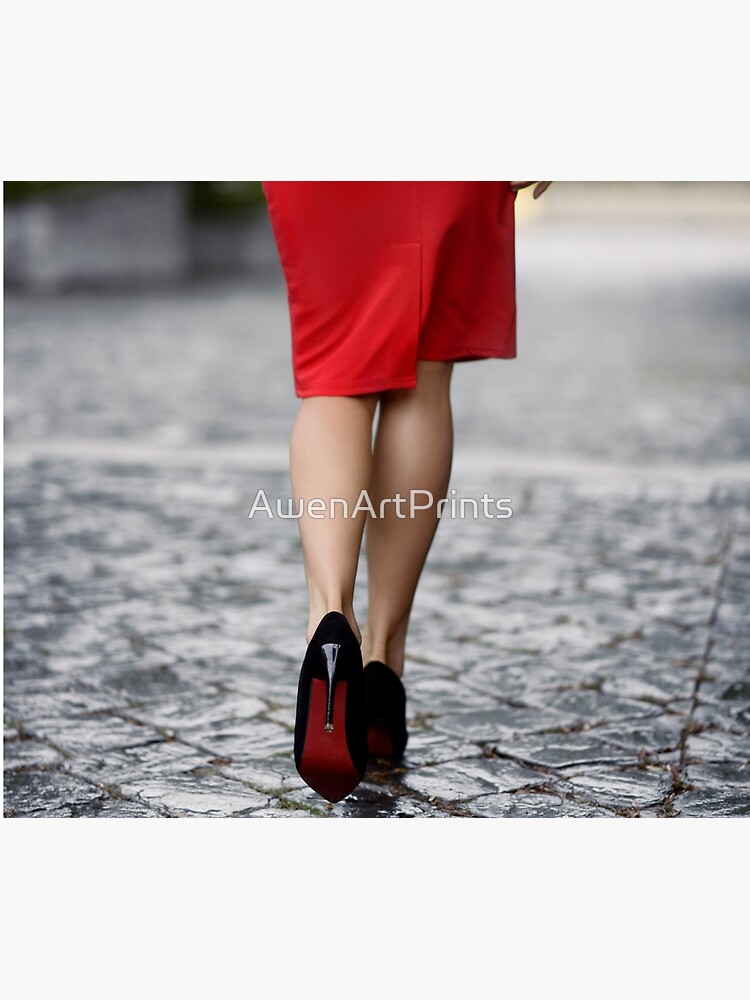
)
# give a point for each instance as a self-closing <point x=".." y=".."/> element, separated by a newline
<point x="385" y="711"/>
<point x="330" y="736"/>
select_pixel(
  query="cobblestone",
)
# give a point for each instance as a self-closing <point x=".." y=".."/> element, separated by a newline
<point x="588" y="657"/>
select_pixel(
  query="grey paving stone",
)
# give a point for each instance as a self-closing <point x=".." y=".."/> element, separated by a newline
<point x="106" y="808"/>
<point x="274" y="775"/>
<point x="658" y="734"/>
<point x="732" y="715"/>
<point x="236" y="740"/>
<point x="47" y="793"/>
<point x="74" y="735"/>
<point x="52" y="696"/>
<point x="731" y="695"/>
<point x="712" y="804"/>
<point x="30" y="753"/>
<point x="257" y="741"/>
<point x="727" y="775"/>
<point x="559" y="750"/>
<point x="504" y="721"/>
<point x="536" y="805"/>
<point x="426" y="747"/>
<point x="528" y="681"/>
<point x="507" y="775"/>
<point x="600" y="705"/>
<point x="719" y="788"/>
<point x="201" y="710"/>
<point x="623" y="789"/>
<point x="121" y="768"/>
<point x="714" y="746"/>
<point x="730" y="653"/>
<point x="186" y="796"/>
<point x="465" y="780"/>
<point x="650" y="687"/>
<point x="442" y="695"/>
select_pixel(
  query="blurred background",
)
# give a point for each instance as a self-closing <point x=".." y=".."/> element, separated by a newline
<point x="157" y="312"/>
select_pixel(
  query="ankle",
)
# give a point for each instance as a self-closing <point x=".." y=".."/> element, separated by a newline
<point x="388" y="651"/>
<point x="319" y="610"/>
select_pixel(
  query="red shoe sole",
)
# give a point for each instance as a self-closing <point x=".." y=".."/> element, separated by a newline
<point x="326" y="764"/>
<point x="379" y="743"/>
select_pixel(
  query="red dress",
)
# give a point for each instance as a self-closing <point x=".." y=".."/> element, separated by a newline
<point x="382" y="273"/>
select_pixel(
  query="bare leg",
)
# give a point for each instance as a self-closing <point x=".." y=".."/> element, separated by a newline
<point x="413" y="451"/>
<point x="331" y="457"/>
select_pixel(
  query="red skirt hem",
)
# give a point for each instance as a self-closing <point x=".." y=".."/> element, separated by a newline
<point x="381" y="274"/>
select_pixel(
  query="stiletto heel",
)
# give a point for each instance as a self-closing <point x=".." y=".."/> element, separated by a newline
<point x="385" y="711"/>
<point x="330" y="738"/>
<point x="330" y="651"/>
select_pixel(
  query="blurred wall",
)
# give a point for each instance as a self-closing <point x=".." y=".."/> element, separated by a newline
<point x="66" y="234"/>
<point x="106" y="234"/>
<point x="113" y="234"/>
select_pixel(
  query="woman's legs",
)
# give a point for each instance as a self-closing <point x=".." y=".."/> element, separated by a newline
<point x="413" y="451"/>
<point x="331" y="457"/>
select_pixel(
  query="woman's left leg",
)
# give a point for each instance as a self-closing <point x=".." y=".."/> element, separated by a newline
<point x="331" y="458"/>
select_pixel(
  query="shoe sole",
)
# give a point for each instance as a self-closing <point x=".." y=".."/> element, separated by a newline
<point x="325" y="763"/>
<point x="379" y="742"/>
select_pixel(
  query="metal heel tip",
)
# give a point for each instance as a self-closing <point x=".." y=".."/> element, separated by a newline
<point x="329" y="728"/>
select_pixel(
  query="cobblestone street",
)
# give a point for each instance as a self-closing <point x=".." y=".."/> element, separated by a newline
<point x="587" y="657"/>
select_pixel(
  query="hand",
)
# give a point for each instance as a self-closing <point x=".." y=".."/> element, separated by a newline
<point x="541" y="186"/>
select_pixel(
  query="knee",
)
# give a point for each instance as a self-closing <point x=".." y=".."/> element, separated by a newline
<point x="434" y="376"/>
<point x="433" y="383"/>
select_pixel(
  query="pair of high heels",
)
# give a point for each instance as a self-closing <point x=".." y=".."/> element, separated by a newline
<point x="345" y="713"/>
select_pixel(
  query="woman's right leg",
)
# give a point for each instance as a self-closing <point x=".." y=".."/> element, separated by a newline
<point x="413" y="451"/>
